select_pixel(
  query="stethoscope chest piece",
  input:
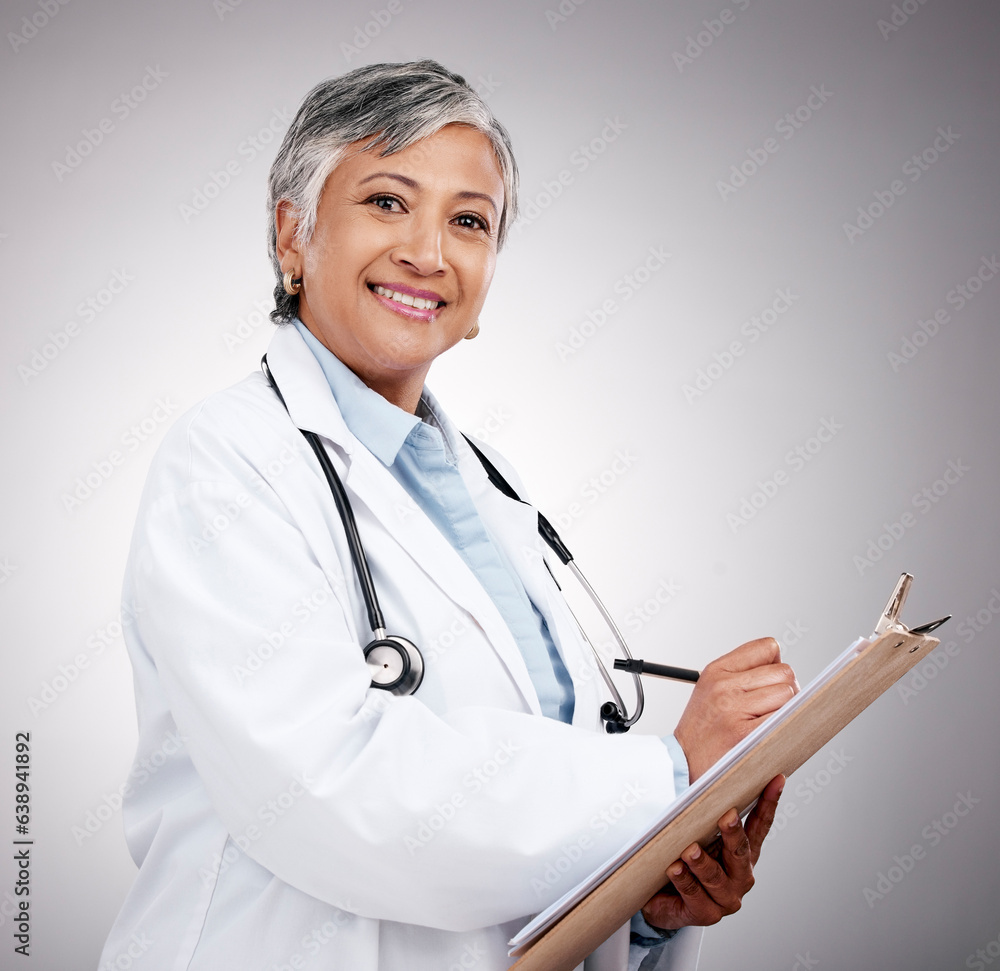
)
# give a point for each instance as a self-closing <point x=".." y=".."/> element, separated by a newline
<point x="395" y="664"/>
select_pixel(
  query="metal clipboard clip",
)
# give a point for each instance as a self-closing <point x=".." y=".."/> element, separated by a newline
<point x="889" y="620"/>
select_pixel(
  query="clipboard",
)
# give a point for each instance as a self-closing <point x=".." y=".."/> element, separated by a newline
<point x="560" y="938"/>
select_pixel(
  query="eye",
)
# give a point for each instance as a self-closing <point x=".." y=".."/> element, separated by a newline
<point x="387" y="203"/>
<point x="469" y="220"/>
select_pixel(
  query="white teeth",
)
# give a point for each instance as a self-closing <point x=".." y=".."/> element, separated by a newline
<point x="418" y="303"/>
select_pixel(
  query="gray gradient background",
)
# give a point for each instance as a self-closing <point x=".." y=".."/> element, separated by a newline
<point x="561" y="421"/>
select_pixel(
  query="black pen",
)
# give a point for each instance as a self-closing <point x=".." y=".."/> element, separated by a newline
<point x="638" y="666"/>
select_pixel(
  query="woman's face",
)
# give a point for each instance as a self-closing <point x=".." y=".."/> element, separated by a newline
<point x="401" y="258"/>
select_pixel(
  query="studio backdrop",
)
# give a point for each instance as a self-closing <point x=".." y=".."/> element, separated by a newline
<point x="742" y="346"/>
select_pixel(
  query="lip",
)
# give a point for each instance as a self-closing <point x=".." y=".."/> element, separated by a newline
<point x="410" y="291"/>
<point x="401" y="309"/>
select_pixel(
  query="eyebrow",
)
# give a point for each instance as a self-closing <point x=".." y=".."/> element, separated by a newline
<point x="413" y="184"/>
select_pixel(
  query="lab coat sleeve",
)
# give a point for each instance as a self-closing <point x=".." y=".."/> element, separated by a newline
<point x="458" y="818"/>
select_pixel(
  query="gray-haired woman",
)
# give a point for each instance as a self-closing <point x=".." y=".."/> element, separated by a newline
<point x="299" y="816"/>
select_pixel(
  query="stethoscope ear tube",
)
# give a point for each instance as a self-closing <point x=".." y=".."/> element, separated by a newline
<point x="612" y="712"/>
<point x="396" y="663"/>
<point x="375" y="618"/>
<point x="623" y="722"/>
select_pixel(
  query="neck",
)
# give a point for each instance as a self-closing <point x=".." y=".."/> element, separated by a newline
<point x="403" y="394"/>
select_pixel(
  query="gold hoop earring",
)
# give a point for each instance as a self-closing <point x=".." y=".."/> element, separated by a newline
<point x="292" y="286"/>
<point x="472" y="333"/>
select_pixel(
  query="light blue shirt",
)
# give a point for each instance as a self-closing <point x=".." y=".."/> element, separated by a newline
<point x="420" y="457"/>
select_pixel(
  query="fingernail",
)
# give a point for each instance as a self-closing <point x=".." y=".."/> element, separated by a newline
<point x="781" y="785"/>
<point x="676" y="870"/>
<point x="731" y="823"/>
<point x="694" y="853"/>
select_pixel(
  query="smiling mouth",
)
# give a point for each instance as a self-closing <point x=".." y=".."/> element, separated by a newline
<point x="406" y="299"/>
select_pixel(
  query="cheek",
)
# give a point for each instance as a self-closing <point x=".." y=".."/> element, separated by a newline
<point x="479" y="276"/>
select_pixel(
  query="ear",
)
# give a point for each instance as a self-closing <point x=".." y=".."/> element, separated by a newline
<point x="288" y="247"/>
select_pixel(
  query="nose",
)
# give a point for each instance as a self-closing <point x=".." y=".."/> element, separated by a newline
<point x="420" y="248"/>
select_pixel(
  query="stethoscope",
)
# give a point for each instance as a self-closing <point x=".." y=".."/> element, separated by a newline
<point x="396" y="664"/>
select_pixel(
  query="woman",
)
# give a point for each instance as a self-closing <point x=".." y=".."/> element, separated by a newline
<point x="309" y="819"/>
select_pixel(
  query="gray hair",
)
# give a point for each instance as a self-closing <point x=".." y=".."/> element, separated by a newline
<point x="393" y="106"/>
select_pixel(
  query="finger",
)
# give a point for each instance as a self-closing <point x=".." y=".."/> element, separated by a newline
<point x="667" y="910"/>
<point x="702" y="908"/>
<point x="763" y="701"/>
<point x="725" y="888"/>
<point x="736" y="857"/>
<point x="765" y="675"/>
<point x="759" y="821"/>
<point x="753" y="654"/>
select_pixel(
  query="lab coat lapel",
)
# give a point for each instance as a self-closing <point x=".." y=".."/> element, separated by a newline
<point x="389" y="502"/>
<point x="311" y="406"/>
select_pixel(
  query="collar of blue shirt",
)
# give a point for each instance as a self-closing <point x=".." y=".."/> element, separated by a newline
<point x="377" y="423"/>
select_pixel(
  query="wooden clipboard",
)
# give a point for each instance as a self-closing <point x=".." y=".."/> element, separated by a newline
<point x="613" y="902"/>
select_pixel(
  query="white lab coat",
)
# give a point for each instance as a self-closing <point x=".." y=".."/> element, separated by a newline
<point x="285" y="815"/>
